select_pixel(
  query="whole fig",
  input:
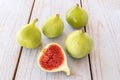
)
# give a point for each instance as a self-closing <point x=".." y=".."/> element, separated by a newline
<point x="78" y="44"/>
<point x="77" y="17"/>
<point x="29" y="36"/>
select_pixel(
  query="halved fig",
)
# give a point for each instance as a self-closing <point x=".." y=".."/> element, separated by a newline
<point x="53" y="59"/>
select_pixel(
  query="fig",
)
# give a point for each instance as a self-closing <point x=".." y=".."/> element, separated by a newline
<point x="78" y="44"/>
<point x="77" y="17"/>
<point x="52" y="58"/>
<point x="29" y="36"/>
<point x="53" y="26"/>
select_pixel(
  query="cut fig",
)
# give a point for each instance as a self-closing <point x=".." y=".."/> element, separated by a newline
<point x="53" y="59"/>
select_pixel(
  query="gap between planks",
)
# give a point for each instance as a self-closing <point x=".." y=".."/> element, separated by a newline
<point x="14" y="75"/>
<point x="90" y="68"/>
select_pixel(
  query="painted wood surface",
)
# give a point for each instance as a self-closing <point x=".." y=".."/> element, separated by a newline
<point x="28" y="68"/>
<point x="13" y="14"/>
<point x="104" y="27"/>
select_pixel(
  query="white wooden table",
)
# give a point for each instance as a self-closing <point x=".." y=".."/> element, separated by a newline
<point x="17" y="63"/>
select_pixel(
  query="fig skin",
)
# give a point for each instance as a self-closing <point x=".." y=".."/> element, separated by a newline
<point x="29" y="36"/>
<point x="78" y="44"/>
<point x="77" y="17"/>
<point x="53" y="26"/>
<point x="64" y="67"/>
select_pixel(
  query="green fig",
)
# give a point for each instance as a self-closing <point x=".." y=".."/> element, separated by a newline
<point x="77" y="17"/>
<point x="78" y="44"/>
<point x="52" y="58"/>
<point x="53" y="26"/>
<point x="29" y="36"/>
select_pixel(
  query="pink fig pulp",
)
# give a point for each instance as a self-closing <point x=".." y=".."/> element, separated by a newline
<point x="52" y="58"/>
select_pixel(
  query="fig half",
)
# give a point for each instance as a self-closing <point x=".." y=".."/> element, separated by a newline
<point x="53" y="59"/>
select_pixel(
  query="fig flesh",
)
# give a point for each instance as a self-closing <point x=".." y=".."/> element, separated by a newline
<point x="78" y="44"/>
<point x="77" y="17"/>
<point x="29" y="36"/>
<point x="53" y="26"/>
<point x="53" y="59"/>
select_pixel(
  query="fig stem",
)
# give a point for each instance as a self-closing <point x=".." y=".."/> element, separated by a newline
<point x="67" y="71"/>
<point x="35" y="20"/>
<point x="77" y="5"/>
<point x="58" y="15"/>
<point x="83" y="30"/>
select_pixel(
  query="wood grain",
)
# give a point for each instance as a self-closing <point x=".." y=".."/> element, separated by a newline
<point x="28" y="68"/>
<point x="13" y="14"/>
<point x="104" y="28"/>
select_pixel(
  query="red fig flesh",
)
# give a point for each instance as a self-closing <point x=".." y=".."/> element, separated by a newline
<point x="53" y="59"/>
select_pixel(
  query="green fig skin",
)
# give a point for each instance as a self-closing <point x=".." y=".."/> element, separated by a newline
<point x="29" y="36"/>
<point x="77" y="17"/>
<point x="78" y="44"/>
<point x="53" y="26"/>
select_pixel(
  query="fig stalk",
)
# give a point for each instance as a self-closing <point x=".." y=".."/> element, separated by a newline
<point x="77" y="5"/>
<point x="34" y="21"/>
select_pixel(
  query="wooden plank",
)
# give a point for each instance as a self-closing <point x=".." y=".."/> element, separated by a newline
<point x="28" y="68"/>
<point x="104" y="27"/>
<point x="13" y="14"/>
